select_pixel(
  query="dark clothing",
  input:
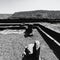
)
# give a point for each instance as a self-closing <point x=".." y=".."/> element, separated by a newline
<point x="28" y="31"/>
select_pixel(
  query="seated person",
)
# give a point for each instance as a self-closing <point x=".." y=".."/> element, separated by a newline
<point x="28" y="32"/>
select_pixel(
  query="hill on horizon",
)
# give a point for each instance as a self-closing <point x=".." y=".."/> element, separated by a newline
<point x="37" y="14"/>
<point x="4" y="16"/>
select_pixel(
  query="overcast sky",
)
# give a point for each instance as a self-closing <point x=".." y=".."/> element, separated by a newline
<point x="11" y="6"/>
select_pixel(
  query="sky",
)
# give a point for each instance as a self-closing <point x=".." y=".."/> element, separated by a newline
<point x="11" y="6"/>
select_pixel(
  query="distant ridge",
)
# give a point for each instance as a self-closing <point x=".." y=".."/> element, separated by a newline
<point x="37" y="14"/>
<point x="4" y="16"/>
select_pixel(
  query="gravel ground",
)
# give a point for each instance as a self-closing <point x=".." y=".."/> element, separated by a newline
<point x="12" y="46"/>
